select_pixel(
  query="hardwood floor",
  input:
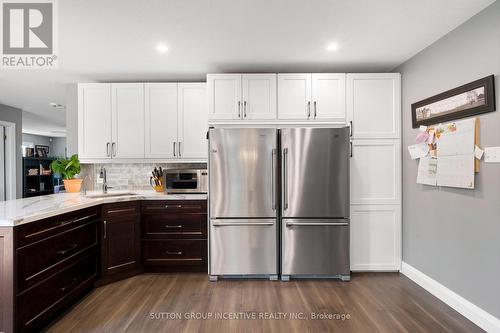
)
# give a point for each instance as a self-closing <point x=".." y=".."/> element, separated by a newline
<point x="374" y="302"/>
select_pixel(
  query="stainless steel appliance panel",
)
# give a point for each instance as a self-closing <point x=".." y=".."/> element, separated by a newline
<point x="186" y="180"/>
<point x="243" y="247"/>
<point x="315" y="172"/>
<point x="243" y="164"/>
<point x="315" y="247"/>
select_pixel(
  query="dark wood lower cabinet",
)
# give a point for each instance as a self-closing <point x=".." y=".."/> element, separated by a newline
<point x="121" y="241"/>
<point x="48" y="265"/>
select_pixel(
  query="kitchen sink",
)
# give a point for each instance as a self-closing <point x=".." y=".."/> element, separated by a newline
<point x="108" y="195"/>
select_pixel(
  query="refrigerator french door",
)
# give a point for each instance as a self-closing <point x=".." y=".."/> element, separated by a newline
<point x="243" y="209"/>
<point x="315" y="202"/>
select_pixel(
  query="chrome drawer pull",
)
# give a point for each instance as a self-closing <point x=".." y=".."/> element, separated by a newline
<point x="173" y="226"/>
<point x="63" y="252"/>
<point x="313" y="224"/>
<point x="173" y="206"/>
<point x="177" y="253"/>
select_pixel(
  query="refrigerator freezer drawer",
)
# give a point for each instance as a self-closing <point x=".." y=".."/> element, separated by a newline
<point x="315" y="247"/>
<point x="243" y="247"/>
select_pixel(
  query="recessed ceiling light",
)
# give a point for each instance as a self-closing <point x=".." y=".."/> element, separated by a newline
<point x="161" y="48"/>
<point x="331" y="47"/>
<point x="57" y="106"/>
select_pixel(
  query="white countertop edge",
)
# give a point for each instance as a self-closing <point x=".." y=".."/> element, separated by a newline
<point x="21" y="211"/>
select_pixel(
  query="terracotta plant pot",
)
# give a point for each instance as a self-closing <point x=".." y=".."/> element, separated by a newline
<point x="72" y="185"/>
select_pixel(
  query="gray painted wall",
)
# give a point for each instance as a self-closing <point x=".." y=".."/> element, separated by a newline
<point x="14" y="115"/>
<point x="453" y="235"/>
<point x="72" y="119"/>
<point x="57" y="146"/>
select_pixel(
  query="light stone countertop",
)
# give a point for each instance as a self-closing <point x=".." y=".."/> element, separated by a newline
<point x="21" y="211"/>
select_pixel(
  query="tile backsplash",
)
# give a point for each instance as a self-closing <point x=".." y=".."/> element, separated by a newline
<point x="127" y="176"/>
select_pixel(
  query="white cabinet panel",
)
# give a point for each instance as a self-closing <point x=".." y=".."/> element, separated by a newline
<point x="161" y="119"/>
<point x="259" y="96"/>
<point x="376" y="171"/>
<point x="294" y="96"/>
<point x="328" y="96"/>
<point x="128" y="120"/>
<point x="374" y="104"/>
<point x="193" y="120"/>
<point x="94" y="120"/>
<point x="375" y="237"/>
<point x="224" y="96"/>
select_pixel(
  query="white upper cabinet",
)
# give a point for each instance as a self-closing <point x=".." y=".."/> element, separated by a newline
<point x="374" y="105"/>
<point x="259" y="96"/>
<point x="328" y="98"/>
<point x="294" y="96"/>
<point x="224" y="96"/>
<point x="94" y="120"/>
<point x="127" y="120"/>
<point x="161" y="120"/>
<point x="193" y="121"/>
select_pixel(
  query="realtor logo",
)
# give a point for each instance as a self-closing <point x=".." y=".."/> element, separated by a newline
<point x="28" y="31"/>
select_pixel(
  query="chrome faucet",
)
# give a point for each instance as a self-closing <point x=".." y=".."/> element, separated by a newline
<point x="102" y="174"/>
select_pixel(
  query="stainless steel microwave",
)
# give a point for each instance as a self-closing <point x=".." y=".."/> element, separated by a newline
<point x="186" y="181"/>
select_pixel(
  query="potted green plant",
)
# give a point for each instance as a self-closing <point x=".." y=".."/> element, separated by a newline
<point x="68" y="168"/>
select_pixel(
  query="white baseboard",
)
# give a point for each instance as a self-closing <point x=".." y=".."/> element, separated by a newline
<point x="478" y="316"/>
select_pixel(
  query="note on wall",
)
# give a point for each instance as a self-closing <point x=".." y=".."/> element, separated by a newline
<point x="492" y="155"/>
<point x="455" y="152"/>
<point x="427" y="167"/>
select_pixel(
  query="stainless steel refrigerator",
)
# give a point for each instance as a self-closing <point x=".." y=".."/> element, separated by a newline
<point x="279" y="202"/>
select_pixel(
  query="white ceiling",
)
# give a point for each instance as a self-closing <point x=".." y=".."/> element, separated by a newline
<point x="104" y="40"/>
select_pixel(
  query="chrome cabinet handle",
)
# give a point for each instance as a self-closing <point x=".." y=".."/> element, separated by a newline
<point x="107" y="150"/>
<point x="244" y="109"/>
<point x="63" y="252"/>
<point x="180" y="150"/>
<point x="105" y="229"/>
<point x="285" y="174"/>
<point x="308" y="109"/>
<point x="273" y="185"/>
<point x="350" y="129"/>
<point x="315" y="109"/>
<point x="177" y="253"/>
<point x="173" y="206"/>
<point x="229" y="224"/>
<point x="113" y="149"/>
<point x="68" y="286"/>
<point x="350" y="142"/>
<point x="173" y="226"/>
<point x="312" y="224"/>
<point x="239" y="109"/>
<point x="174" y="150"/>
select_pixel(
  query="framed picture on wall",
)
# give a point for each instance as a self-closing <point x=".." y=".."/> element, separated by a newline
<point x="468" y="100"/>
<point x="42" y="151"/>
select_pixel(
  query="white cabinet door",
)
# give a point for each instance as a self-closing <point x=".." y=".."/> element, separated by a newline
<point x="376" y="171"/>
<point x="259" y="96"/>
<point x="94" y="120"/>
<point x="128" y="120"/>
<point x="161" y="120"/>
<point x="328" y="97"/>
<point x="375" y="237"/>
<point x="294" y="96"/>
<point x="224" y="96"/>
<point x="193" y="120"/>
<point x="374" y="105"/>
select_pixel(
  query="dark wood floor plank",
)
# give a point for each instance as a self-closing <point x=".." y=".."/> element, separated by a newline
<point x="375" y="302"/>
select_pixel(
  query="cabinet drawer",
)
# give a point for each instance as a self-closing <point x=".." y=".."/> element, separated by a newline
<point x="176" y="225"/>
<point x="120" y="209"/>
<point x="38" y="260"/>
<point x="185" y="252"/>
<point x="185" y="206"/>
<point x="38" y="305"/>
<point x="35" y="231"/>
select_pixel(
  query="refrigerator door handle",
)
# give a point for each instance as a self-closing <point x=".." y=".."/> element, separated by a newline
<point x="225" y="224"/>
<point x="285" y="174"/>
<point x="273" y="185"/>
<point x="333" y="224"/>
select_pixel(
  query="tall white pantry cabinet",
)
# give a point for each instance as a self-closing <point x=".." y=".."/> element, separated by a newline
<point x="374" y="109"/>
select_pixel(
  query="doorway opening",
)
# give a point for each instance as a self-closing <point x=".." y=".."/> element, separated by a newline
<point x="7" y="161"/>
